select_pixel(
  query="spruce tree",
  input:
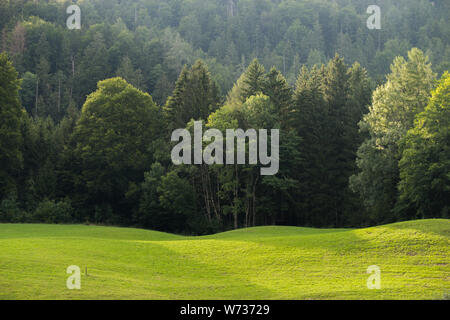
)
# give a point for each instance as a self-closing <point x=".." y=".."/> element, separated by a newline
<point x="11" y="114"/>
<point x="280" y="93"/>
<point x="309" y="117"/>
<point x="195" y="96"/>
<point x="326" y="113"/>
<point x="253" y="80"/>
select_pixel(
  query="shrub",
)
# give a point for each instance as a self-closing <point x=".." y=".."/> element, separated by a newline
<point x="49" y="211"/>
<point x="11" y="212"/>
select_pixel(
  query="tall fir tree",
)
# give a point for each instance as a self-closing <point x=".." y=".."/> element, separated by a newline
<point x="326" y="113"/>
<point x="279" y="92"/>
<point x="11" y="115"/>
<point x="195" y="96"/>
<point x="253" y="80"/>
<point x="309" y="116"/>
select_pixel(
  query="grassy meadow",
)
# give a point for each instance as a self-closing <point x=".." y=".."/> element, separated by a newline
<point x="256" y="263"/>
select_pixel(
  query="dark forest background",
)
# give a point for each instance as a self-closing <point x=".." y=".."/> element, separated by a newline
<point x="87" y="115"/>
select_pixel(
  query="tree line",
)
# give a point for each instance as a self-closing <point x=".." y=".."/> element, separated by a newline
<point x="110" y="163"/>
<point x="83" y="141"/>
<point x="147" y="42"/>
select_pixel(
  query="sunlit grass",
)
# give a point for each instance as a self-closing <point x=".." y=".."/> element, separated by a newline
<point x="256" y="263"/>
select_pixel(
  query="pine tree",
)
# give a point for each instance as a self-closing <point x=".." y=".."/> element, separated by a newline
<point x="253" y="80"/>
<point x="11" y="113"/>
<point x="131" y="75"/>
<point x="280" y="93"/>
<point x="195" y="96"/>
<point x="340" y="152"/>
<point x="309" y="117"/>
<point x="326" y="113"/>
<point x="94" y="67"/>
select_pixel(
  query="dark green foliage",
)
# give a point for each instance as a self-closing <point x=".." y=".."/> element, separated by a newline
<point x="150" y="213"/>
<point x="49" y="211"/>
<point x="11" y="115"/>
<point x="111" y="163"/>
<point x="328" y="104"/>
<point x="177" y="197"/>
<point x="28" y="91"/>
<point x="425" y="164"/>
<point x="309" y="117"/>
<point x="394" y="107"/>
<point x="159" y="38"/>
<point x="195" y="96"/>
<point x="279" y="91"/>
<point x="113" y="138"/>
<point x="253" y="80"/>
<point x="10" y="212"/>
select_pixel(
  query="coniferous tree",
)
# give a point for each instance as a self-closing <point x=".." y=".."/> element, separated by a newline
<point x="93" y="68"/>
<point x="195" y="96"/>
<point x="280" y="93"/>
<point x="253" y="80"/>
<point x="327" y="108"/>
<point x="131" y="75"/>
<point x="11" y="115"/>
<point x="309" y="117"/>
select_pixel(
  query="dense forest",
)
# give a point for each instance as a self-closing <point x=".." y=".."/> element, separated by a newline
<point x="87" y="115"/>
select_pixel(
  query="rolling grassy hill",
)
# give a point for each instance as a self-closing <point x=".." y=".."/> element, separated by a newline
<point x="256" y="263"/>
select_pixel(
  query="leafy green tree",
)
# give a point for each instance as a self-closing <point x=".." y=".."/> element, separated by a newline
<point x="394" y="107"/>
<point x="148" y="42"/>
<point x="177" y="197"/>
<point x="114" y="138"/>
<point x="11" y="115"/>
<point x="49" y="211"/>
<point x="425" y="163"/>
<point x="150" y="213"/>
<point x="11" y="212"/>
<point x="360" y="91"/>
<point x="315" y="57"/>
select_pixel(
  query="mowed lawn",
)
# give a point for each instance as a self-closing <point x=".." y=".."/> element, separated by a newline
<point x="257" y="263"/>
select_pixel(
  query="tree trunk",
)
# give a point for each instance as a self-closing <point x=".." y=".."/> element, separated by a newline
<point x="236" y="191"/>
<point x="59" y="95"/>
<point x="37" y="95"/>
<point x="254" y="200"/>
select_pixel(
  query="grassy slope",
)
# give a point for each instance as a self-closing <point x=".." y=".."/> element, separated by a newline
<point x="257" y="263"/>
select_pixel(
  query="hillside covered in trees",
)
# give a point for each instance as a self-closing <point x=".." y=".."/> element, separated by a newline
<point x="87" y="115"/>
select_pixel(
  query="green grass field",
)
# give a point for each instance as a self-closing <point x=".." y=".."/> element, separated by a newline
<point x="257" y="263"/>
